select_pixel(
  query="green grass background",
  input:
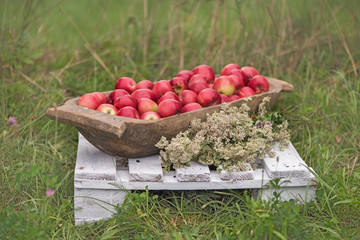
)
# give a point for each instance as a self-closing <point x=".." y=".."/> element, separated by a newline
<point x="51" y="51"/>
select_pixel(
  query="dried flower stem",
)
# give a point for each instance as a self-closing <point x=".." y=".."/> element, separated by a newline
<point x="231" y="137"/>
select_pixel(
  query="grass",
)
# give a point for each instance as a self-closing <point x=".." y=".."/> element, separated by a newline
<point x="54" y="50"/>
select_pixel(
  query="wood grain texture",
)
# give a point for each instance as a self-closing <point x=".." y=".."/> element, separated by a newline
<point x="131" y="138"/>
<point x="195" y="172"/>
<point x="286" y="164"/>
<point x="145" y="169"/>
<point x="94" y="164"/>
<point x="237" y="176"/>
<point x="96" y="194"/>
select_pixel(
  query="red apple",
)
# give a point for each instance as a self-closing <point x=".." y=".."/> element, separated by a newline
<point x="128" y="112"/>
<point x="162" y="87"/>
<point x="125" y="101"/>
<point x="234" y="97"/>
<point x="107" y="108"/>
<point x="224" y="98"/>
<point x="240" y="74"/>
<point x="144" y="93"/>
<point x="101" y="96"/>
<point x="249" y="72"/>
<point x="191" y="107"/>
<point x="126" y="83"/>
<point x="168" y="95"/>
<point x="187" y="96"/>
<point x="145" y="84"/>
<point x="169" y="107"/>
<point x="208" y="97"/>
<point x="146" y="105"/>
<point x="150" y="116"/>
<point x="239" y="82"/>
<point x="198" y="87"/>
<point x="89" y="100"/>
<point x="224" y="85"/>
<point x="186" y="74"/>
<point x="226" y="70"/>
<point x="197" y="78"/>
<point x="205" y="70"/>
<point x="259" y="84"/>
<point x="117" y="93"/>
<point x="179" y="84"/>
<point x="246" y="92"/>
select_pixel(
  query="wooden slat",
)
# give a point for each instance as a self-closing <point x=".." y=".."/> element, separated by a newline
<point x="238" y="176"/>
<point x="287" y="164"/>
<point x="196" y="172"/>
<point x="145" y="169"/>
<point x="92" y="205"/>
<point x="91" y="163"/>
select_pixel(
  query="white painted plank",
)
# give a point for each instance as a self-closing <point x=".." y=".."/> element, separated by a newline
<point x="237" y="176"/>
<point x="99" y="182"/>
<point x="287" y="163"/>
<point x="302" y="194"/>
<point x="170" y="182"/>
<point x="145" y="169"/>
<point x="196" y="172"/>
<point x="91" y="163"/>
<point x="92" y="205"/>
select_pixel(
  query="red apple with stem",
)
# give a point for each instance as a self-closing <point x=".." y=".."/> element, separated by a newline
<point x="117" y="93"/>
<point x="107" y="108"/>
<point x="186" y="74"/>
<point x="226" y="70"/>
<point x="249" y="72"/>
<point x="191" y="107"/>
<point x="169" y="107"/>
<point x="259" y="84"/>
<point x="168" y="95"/>
<point x="89" y="100"/>
<point x="146" y="105"/>
<point x="126" y="83"/>
<point x="145" y="84"/>
<point x="205" y="70"/>
<point x="224" y="85"/>
<point x="125" y="101"/>
<point x="179" y="84"/>
<point x="187" y="96"/>
<point x="208" y="97"/>
<point x="150" y="116"/>
<point x="128" y="112"/>
<point x="144" y="93"/>
<point x="246" y="92"/>
<point x="162" y="87"/>
<point x="197" y="78"/>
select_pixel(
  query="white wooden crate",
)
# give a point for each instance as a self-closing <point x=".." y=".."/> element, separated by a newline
<point x="102" y="181"/>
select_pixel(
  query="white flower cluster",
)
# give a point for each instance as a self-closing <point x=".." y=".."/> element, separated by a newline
<point x="231" y="137"/>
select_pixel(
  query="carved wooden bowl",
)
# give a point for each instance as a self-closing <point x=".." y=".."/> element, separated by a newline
<point x="131" y="138"/>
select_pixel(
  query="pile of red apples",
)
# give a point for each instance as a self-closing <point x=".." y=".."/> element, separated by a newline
<point x="187" y="91"/>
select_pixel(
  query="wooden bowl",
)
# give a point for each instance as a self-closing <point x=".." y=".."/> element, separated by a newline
<point x="131" y="138"/>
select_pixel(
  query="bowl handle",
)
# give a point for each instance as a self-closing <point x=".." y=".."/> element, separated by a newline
<point x="91" y="120"/>
<point x="284" y="86"/>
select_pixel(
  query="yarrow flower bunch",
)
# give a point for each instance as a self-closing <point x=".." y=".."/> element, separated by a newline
<point x="231" y="137"/>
